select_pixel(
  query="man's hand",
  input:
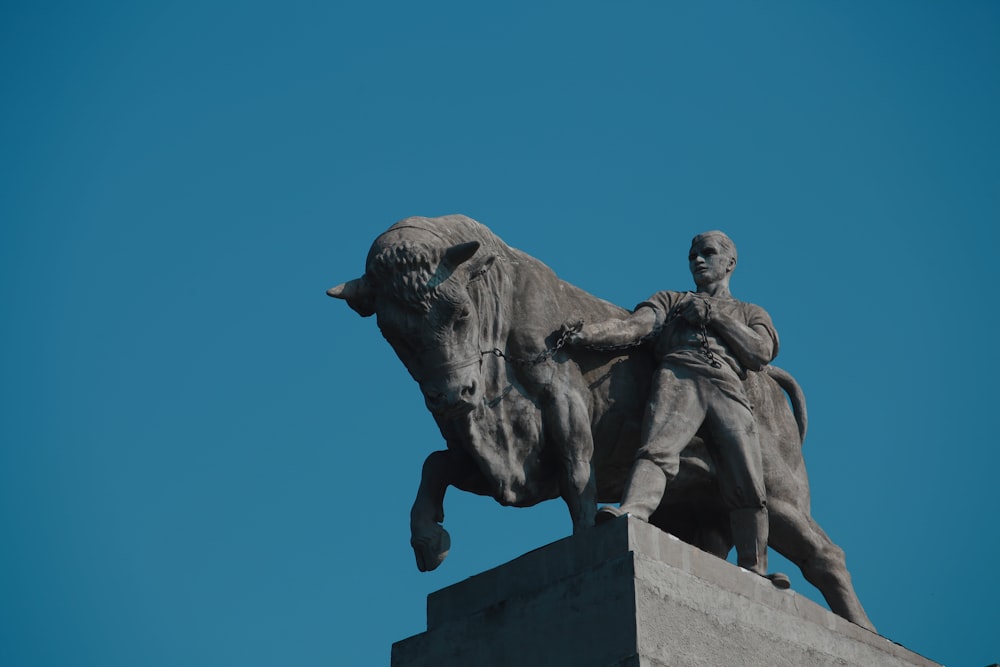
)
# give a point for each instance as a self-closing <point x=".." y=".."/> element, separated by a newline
<point x="573" y="331"/>
<point x="698" y="311"/>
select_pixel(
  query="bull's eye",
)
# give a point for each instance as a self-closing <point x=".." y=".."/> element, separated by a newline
<point x="462" y="318"/>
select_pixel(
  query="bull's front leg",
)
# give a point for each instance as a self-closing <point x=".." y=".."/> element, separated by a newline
<point x="429" y="539"/>
<point x="566" y="420"/>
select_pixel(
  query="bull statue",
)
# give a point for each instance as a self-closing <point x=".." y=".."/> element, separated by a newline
<point x="481" y="327"/>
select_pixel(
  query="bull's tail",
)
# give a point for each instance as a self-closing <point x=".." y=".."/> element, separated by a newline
<point x="795" y="395"/>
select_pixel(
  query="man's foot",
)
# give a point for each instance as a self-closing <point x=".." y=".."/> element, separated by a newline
<point x="779" y="580"/>
<point x="607" y="513"/>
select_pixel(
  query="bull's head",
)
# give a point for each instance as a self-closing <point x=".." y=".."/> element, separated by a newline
<point x="421" y="299"/>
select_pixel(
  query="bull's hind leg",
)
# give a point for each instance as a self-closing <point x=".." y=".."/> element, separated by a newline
<point x="796" y="536"/>
<point x="430" y="541"/>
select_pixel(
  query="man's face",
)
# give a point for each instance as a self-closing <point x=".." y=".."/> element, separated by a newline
<point x="709" y="262"/>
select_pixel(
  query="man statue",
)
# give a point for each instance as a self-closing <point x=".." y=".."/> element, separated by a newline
<point x="704" y="343"/>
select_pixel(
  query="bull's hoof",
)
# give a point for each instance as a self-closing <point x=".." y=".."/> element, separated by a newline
<point x="779" y="580"/>
<point x="431" y="544"/>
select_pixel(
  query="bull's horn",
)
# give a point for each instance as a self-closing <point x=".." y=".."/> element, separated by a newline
<point x="358" y="295"/>
<point x="463" y="252"/>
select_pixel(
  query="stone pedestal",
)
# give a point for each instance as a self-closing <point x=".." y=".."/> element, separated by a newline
<point x="626" y="594"/>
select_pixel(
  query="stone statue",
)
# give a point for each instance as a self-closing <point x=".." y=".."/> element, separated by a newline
<point x="705" y="343"/>
<point x="527" y="417"/>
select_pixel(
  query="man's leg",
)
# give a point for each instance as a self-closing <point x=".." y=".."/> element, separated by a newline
<point x="741" y="480"/>
<point x="750" y="530"/>
<point x="673" y="416"/>
<point x="642" y="495"/>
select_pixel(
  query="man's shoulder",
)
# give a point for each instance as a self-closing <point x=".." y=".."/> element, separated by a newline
<point x="752" y="313"/>
<point x="749" y="307"/>
<point x="754" y="306"/>
<point x="664" y="299"/>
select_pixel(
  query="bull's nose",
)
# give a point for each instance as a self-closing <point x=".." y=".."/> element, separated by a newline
<point x="451" y="403"/>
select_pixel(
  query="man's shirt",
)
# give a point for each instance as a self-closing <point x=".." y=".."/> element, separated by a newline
<point x="681" y="343"/>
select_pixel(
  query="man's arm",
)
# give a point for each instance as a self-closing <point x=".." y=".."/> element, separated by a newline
<point x="754" y="345"/>
<point x="617" y="332"/>
<point x="751" y="345"/>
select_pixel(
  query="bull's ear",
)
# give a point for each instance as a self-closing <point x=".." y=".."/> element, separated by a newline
<point x="458" y="254"/>
<point x="477" y="271"/>
<point x="358" y="294"/>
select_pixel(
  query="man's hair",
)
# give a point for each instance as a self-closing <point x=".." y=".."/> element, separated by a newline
<point x="727" y="243"/>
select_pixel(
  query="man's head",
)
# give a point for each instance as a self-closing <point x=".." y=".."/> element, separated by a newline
<point x="712" y="258"/>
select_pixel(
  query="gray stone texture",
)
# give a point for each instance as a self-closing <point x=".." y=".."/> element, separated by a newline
<point x="541" y="390"/>
<point x="627" y="594"/>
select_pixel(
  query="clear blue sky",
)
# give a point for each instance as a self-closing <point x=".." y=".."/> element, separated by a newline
<point x="206" y="461"/>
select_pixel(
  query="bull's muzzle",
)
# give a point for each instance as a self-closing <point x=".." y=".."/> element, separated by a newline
<point x="451" y="402"/>
<point x="450" y="388"/>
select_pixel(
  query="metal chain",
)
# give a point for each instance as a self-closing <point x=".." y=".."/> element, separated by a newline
<point x="545" y="355"/>
<point x="674" y="313"/>
<point x="705" y="349"/>
<point x="564" y="337"/>
<point x="671" y="316"/>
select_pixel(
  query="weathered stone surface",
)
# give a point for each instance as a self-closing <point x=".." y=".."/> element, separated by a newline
<point x="529" y="414"/>
<point x="627" y="594"/>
